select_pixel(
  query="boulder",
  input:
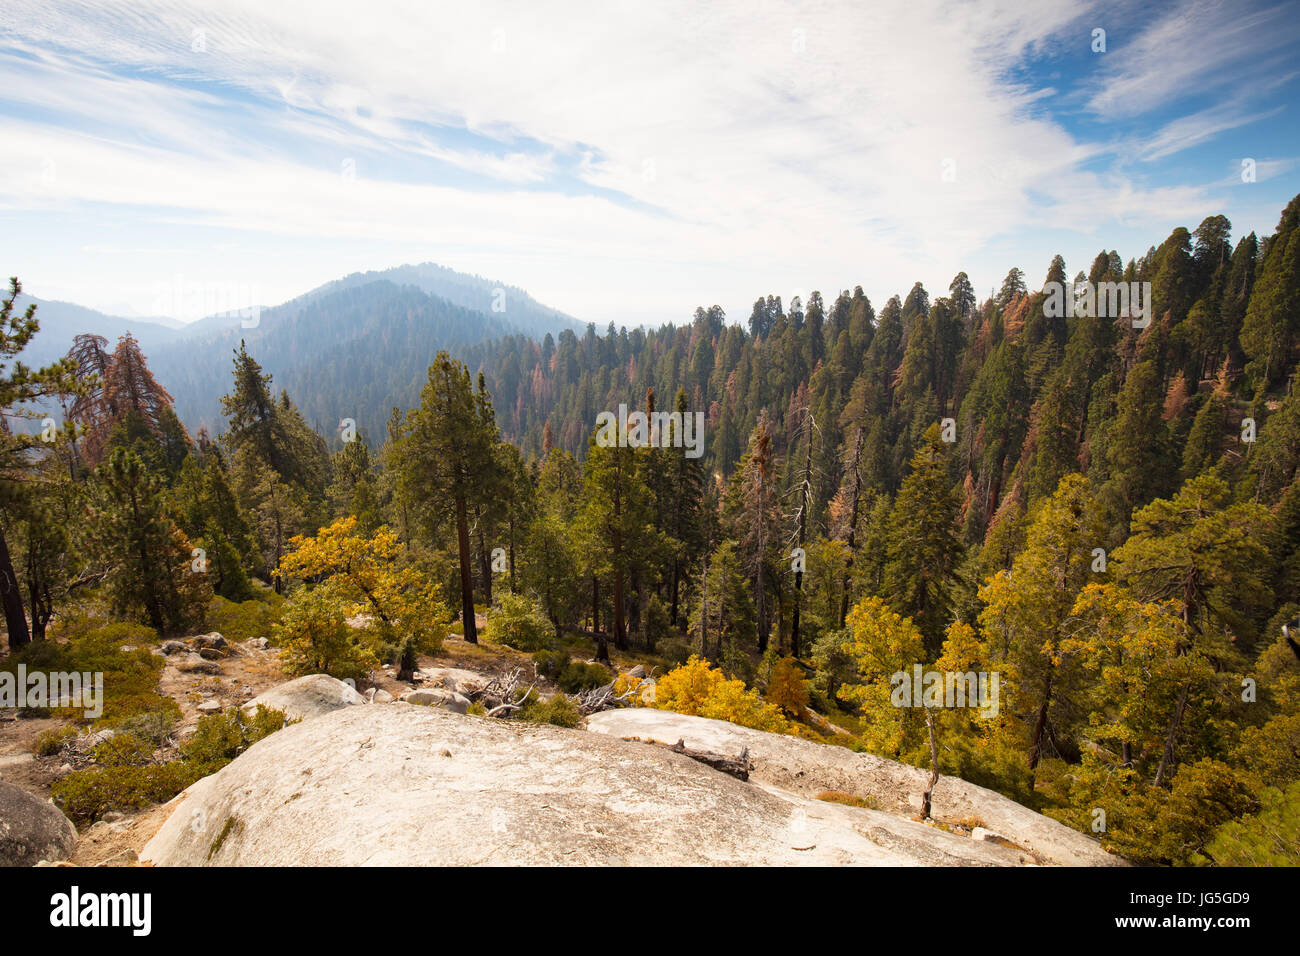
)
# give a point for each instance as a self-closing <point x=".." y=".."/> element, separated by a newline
<point x="464" y="682"/>
<point x="307" y="697"/>
<point x="437" y="697"/>
<point x="173" y="647"/>
<point x="381" y="697"/>
<point x="807" y="768"/>
<point x="194" y="664"/>
<point x="417" y="786"/>
<point x="32" y="829"/>
<point x="209" y="707"/>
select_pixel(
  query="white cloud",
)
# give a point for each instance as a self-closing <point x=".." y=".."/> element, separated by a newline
<point x="728" y="148"/>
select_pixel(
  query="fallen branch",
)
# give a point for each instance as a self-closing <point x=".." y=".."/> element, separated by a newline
<point x="738" y="767"/>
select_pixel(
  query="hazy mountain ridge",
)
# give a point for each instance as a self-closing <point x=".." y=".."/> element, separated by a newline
<point x="351" y="348"/>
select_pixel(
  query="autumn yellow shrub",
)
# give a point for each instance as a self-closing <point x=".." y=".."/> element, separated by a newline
<point x="788" y="690"/>
<point x="701" y="690"/>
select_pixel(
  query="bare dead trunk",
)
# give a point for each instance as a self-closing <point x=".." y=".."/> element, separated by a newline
<point x="934" y="767"/>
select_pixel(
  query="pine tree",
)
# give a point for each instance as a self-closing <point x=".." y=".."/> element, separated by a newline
<point x="923" y="548"/>
<point x="21" y="386"/>
<point x="444" y="448"/>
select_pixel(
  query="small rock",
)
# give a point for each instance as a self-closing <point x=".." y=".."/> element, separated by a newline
<point x="381" y="697"/>
<point x="980" y="833"/>
<point x="173" y="647"/>
<point x="124" y="858"/>
<point x="257" y="643"/>
<point x="194" y="664"/>
<point x="436" y="697"/>
<point x="213" y="640"/>
<point x="638" y="671"/>
<point x="209" y="707"/>
<point x="112" y="816"/>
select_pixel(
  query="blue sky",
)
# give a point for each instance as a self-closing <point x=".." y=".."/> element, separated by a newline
<point x="621" y="161"/>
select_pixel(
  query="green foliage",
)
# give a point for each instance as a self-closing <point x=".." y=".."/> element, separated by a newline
<point x="315" y="638"/>
<point x="256" y="617"/>
<point x="1268" y="837"/>
<point x="127" y="777"/>
<point x="558" y="710"/>
<point x="519" y="622"/>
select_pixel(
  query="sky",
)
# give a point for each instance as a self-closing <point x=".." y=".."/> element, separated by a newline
<point x="623" y="161"/>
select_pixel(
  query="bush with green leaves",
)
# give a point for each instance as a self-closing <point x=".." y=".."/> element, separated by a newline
<point x="558" y="710"/>
<point x="572" y="677"/>
<point x="128" y="777"/>
<point x="1268" y="837"/>
<point x="518" y="621"/>
<point x="315" y="638"/>
<point x="242" y="621"/>
<point x="579" y="676"/>
<point x="85" y="643"/>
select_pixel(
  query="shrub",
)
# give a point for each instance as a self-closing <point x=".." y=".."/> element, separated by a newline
<point x="788" y="690"/>
<point x="1270" y="837"/>
<point x="550" y="664"/>
<point x="518" y="621"/>
<point x="315" y="638"/>
<point x="698" y="689"/>
<point x="51" y="742"/>
<point x="87" y="644"/>
<point x="86" y="795"/>
<point x="122" y="750"/>
<point x="579" y="676"/>
<point x="220" y="738"/>
<point x="256" y="617"/>
<point x="558" y="710"/>
<point x="128" y="779"/>
<point x="848" y="799"/>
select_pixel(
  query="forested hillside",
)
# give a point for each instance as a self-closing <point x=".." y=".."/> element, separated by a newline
<point x="1099" y="514"/>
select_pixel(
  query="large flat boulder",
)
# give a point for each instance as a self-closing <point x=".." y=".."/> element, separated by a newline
<point x="32" y="829"/>
<point x="807" y="768"/>
<point x="306" y="697"/>
<point x="421" y="786"/>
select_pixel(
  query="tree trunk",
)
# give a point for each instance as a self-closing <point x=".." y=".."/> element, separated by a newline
<point x="677" y="575"/>
<point x="1040" y="725"/>
<point x="853" y="526"/>
<point x="466" y="575"/>
<point x="15" y="619"/>
<point x="934" y="767"/>
<point x="485" y="564"/>
<point x="602" y="642"/>
<point x="620" y="612"/>
<point x="704" y="608"/>
<point x="1171" y="737"/>
<point x="804" y="495"/>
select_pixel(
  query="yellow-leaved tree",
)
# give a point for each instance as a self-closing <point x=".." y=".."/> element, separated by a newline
<point x="698" y="689"/>
<point x="363" y="577"/>
<point x="882" y="644"/>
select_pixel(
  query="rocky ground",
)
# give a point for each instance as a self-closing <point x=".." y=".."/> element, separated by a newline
<point x="204" y="674"/>
<point x="368" y="776"/>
